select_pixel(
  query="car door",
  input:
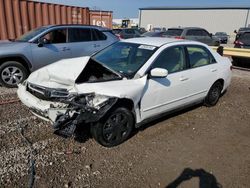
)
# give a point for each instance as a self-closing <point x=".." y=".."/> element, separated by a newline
<point x="165" y="94"/>
<point x="206" y="38"/>
<point x="100" y="39"/>
<point x="81" y="42"/>
<point x="54" y="49"/>
<point x="129" y="33"/>
<point x="192" y="34"/>
<point x="202" y="71"/>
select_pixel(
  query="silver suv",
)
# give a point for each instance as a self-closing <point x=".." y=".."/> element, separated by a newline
<point x="48" y="44"/>
<point x="193" y="33"/>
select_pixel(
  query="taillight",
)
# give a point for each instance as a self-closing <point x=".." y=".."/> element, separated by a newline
<point x="179" y="37"/>
<point x="118" y="36"/>
<point x="238" y="42"/>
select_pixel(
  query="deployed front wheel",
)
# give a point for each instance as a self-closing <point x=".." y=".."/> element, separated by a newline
<point x="114" y="128"/>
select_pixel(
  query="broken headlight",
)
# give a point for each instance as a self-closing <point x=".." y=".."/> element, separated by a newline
<point x="96" y="101"/>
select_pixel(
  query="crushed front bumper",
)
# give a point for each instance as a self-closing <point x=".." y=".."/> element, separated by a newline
<point x="38" y="107"/>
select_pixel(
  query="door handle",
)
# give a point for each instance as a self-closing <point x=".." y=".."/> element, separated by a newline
<point x="96" y="45"/>
<point x="65" y="49"/>
<point x="183" y="78"/>
<point x="213" y="70"/>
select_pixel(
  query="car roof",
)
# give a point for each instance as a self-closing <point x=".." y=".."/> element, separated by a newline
<point x="152" y="41"/>
<point x="185" y="28"/>
<point x="79" y="25"/>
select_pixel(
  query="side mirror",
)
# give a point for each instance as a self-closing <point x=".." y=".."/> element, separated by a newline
<point x="159" y="73"/>
<point x="42" y="41"/>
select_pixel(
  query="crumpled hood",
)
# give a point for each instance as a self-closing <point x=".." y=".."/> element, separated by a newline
<point x="61" y="74"/>
<point x="64" y="73"/>
<point x="131" y="89"/>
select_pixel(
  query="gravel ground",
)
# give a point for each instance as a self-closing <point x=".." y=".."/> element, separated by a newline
<point x="198" y="146"/>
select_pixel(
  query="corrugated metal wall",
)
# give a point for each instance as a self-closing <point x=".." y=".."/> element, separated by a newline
<point x="101" y="18"/>
<point x="19" y="16"/>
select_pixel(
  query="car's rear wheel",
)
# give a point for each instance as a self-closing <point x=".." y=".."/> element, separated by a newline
<point x="12" y="73"/>
<point x="213" y="94"/>
<point x="114" y="128"/>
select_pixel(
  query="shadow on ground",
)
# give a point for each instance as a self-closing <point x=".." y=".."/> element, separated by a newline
<point x="206" y="180"/>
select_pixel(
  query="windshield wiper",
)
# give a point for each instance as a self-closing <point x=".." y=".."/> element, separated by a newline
<point x="124" y="74"/>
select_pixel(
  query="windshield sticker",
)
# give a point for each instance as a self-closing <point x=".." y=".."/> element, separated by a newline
<point x="146" y="47"/>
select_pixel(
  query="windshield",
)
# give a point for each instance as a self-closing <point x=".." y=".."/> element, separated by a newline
<point x="31" y="34"/>
<point x="125" y="58"/>
<point x="220" y="34"/>
<point x="152" y="34"/>
<point x="174" y="32"/>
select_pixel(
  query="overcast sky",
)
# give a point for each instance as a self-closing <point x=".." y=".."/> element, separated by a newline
<point x="130" y="8"/>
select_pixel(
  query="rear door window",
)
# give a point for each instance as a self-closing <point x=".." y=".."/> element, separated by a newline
<point x="194" y="32"/>
<point x="204" y="33"/>
<point x="199" y="56"/>
<point x="173" y="32"/>
<point x="80" y="35"/>
<point x="129" y="31"/>
<point x="98" y="35"/>
<point x="245" y="38"/>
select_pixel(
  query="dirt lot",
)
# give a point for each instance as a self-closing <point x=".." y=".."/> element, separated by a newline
<point x="213" y="143"/>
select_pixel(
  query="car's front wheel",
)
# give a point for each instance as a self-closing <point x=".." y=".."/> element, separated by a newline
<point x="114" y="128"/>
<point x="12" y="73"/>
<point x="213" y="94"/>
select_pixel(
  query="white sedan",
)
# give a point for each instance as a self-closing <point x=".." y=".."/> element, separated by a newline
<point x="122" y="86"/>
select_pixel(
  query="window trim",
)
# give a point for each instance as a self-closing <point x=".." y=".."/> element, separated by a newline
<point x="202" y="47"/>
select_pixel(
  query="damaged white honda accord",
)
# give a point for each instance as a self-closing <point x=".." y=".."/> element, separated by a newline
<point x="127" y="83"/>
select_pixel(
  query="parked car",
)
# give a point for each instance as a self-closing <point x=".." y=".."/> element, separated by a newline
<point x="153" y="34"/>
<point x="125" y="85"/>
<point x="142" y="30"/>
<point x="193" y="33"/>
<point x="222" y="36"/>
<point x="126" y="33"/>
<point x="158" y="29"/>
<point x="242" y="30"/>
<point x="47" y="44"/>
<point x="242" y="41"/>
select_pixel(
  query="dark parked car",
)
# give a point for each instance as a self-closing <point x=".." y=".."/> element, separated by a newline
<point x="242" y="41"/>
<point x="153" y="34"/>
<point x="193" y="33"/>
<point x="142" y="30"/>
<point x="48" y="44"/>
<point x="126" y="33"/>
<point x="222" y="36"/>
<point x="242" y="30"/>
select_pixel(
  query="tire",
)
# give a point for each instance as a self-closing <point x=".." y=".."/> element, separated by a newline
<point x="213" y="95"/>
<point x="114" y="128"/>
<point x="12" y="73"/>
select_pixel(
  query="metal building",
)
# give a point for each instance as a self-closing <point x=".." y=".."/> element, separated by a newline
<point x="224" y="19"/>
